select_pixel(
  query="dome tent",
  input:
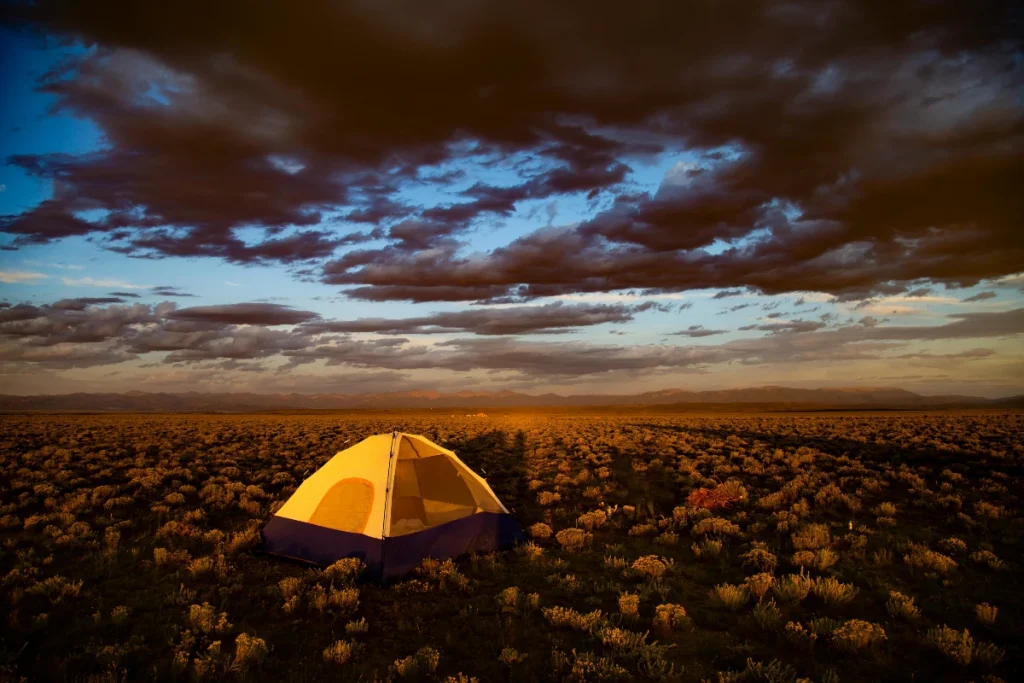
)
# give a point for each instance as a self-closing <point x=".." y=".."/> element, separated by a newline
<point x="391" y="500"/>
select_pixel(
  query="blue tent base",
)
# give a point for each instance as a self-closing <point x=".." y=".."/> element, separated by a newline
<point x="393" y="557"/>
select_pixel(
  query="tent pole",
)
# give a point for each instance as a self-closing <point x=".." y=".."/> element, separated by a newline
<point x="387" y="503"/>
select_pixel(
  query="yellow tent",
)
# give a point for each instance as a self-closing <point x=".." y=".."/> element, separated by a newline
<point x="391" y="500"/>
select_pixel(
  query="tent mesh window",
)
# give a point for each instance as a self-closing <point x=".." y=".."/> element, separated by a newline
<point x="429" y="490"/>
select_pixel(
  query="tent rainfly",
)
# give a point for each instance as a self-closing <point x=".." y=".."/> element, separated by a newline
<point x="391" y="500"/>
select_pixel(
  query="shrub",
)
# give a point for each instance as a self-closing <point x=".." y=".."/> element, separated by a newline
<point x="357" y="627"/>
<point x="986" y="613"/>
<point x="988" y="654"/>
<point x="547" y="498"/>
<point x="204" y="618"/>
<point x="759" y="557"/>
<point x="833" y="592"/>
<point x="921" y="557"/>
<point x="722" y="496"/>
<point x="573" y="540"/>
<point x="714" y="525"/>
<point x="767" y="615"/>
<point x="629" y="604"/>
<point x="508" y="600"/>
<point x="798" y="636"/>
<point x="956" y="645"/>
<point x="650" y="566"/>
<point x="564" y="616"/>
<point x="987" y="557"/>
<point x="345" y="570"/>
<point x="586" y="666"/>
<point x="249" y="651"/>
<point x="953" y="546"/>
<point x="856" y="634"/>
<point x="824" y="626"/>
<point x="758" y="584"/>
<point x="622" y="640"/>
<point x="345" y="600"/>
<point x="902" y="606"/>
<point x="811" y="537"/>
<point x="643" y="530"/>
<point x="540" y="530"/>
<point x="531" y="550"/>
<point x="669" y="616"/>
<point x="510" y="656"/>
<point x="793" y="587"/>
<point x="592" y="520"/>
<point x="708" y="549"/>
<point x="667" y="538"/>
<point x="119" y="614"/>
<point x="290" y="587"/>
<point x="730" y="596"/>
<point x="885" y="510"/>
<point x="341" y="651"/>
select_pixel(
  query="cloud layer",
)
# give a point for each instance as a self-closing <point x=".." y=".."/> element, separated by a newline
<point x="842" y="147"/>
<point x="84" y="333"/>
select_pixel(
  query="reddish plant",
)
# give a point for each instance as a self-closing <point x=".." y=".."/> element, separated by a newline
<point x="722" y="496"/>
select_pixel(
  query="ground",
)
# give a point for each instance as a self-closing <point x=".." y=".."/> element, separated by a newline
<point x="722" y="548"/>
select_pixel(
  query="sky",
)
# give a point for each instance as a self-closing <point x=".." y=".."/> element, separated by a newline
<point x="350" y="197"/>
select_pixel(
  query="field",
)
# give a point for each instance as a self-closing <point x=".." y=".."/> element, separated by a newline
<point x="751" y="548"/>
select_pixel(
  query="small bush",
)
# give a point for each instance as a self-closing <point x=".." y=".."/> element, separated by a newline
<point x="250" y="651"/>
<point x="204" y="618"/>
<point x="811" y="537"/>
<point x="856" y="634"/>
<point x="902" y="606"/>
<point x="834" y="592"/>
<point x="708" y="549"/>
<point x="767" y="615"/>
<point x="759" y="584"/>
<point x="540" y="530"/>
<point x="922" y="558"/>
<point x="341" y="651"/>
<point x="956" y="645"/>
<point x="573" y="540"/>
<point x="345" y="570"/>
<point x="669" y="617"/>
<point x="793" y="587"/>
<point x="629" y="605"/>
<point x="564" y="616"/>
<point x="730" y="596"/>
<point x="714" y="525"/>
<point x="357" y="627"/>
<point x="986" y="613"/>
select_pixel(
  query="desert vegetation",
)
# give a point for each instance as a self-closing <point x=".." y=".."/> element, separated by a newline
<point x="755" y="548"/>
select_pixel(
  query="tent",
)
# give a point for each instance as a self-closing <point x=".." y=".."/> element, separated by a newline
<point x="391" y="500"/>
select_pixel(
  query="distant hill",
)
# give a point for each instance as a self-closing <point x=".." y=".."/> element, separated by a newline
<point x="762" y="398"/>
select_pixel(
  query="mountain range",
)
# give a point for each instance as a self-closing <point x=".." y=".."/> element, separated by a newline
<point x="757" y="398"/>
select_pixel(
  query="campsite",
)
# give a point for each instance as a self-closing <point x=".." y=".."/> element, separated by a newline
<point x="661" y="548"/>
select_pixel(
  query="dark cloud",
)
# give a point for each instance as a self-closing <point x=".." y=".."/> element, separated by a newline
<point x="970" y="354"/>
<point x="726" y="293"/>
<point x="549" y="318"/>
<point x="126" y="295"/>
<point x="80" y="304"/>
<point x="171" y="292"/>
<point x="980" y="296"/>
<point x="698" y="331"/>
<point x="790" y="326"/>
<point x="244" y="314"/>
<point x="841" y="146"/>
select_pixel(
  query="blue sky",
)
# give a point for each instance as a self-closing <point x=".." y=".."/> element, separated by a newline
<point x="682" y="246"/>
